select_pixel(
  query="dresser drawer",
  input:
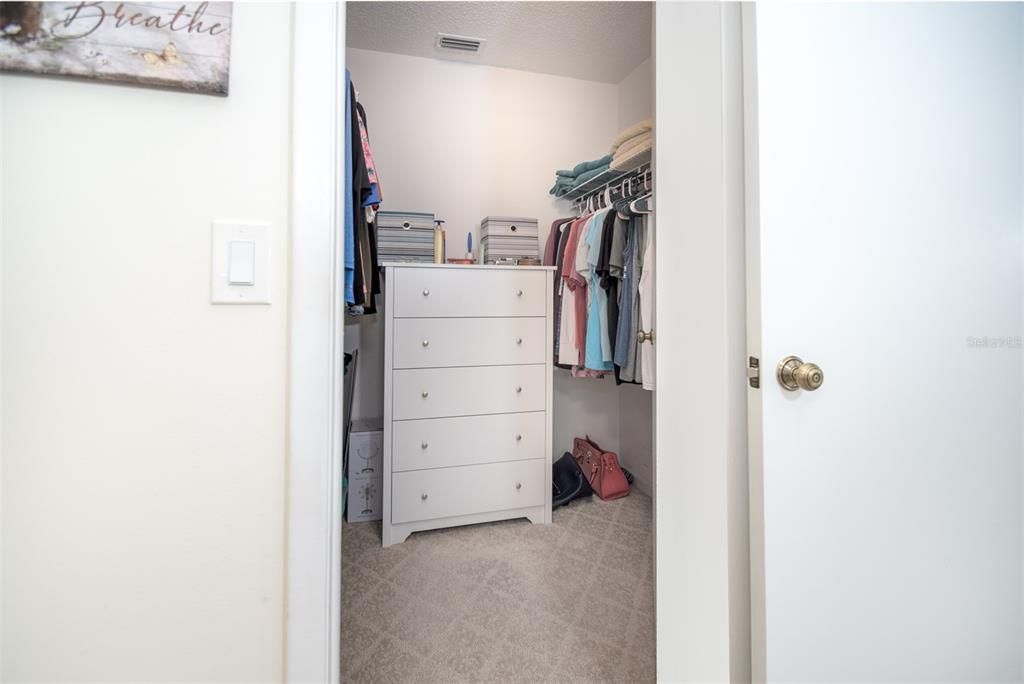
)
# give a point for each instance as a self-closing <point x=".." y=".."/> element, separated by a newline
<point x="445" y="442"/>
<point x="444" y="392"/>
<point x="446" y="492"/>
<point x="447" y="342"/>
<point x="469" y="292"/>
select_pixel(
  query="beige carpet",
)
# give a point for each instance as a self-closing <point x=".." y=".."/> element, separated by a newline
<point x="504" y="602"/>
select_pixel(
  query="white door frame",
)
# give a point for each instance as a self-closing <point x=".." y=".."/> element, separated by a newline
<point x="755" y="458"/>
<point x="701" y="521"/>
<point x="315" y="430"/>
<point x="703" y="615"/>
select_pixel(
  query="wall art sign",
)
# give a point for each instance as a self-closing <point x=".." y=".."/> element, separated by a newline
<point x="186" y="46"/>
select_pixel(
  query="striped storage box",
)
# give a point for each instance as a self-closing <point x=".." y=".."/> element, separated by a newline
<point x="405" y="237"/>
<point x="508" y="237"/>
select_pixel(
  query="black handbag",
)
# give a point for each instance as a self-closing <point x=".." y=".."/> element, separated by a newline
<point x="567" y="481"/>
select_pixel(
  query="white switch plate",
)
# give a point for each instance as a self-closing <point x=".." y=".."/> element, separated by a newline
<point x="227" y="263"/>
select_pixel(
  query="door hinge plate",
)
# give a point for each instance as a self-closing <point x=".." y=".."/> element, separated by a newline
<point x="754" y="372"/>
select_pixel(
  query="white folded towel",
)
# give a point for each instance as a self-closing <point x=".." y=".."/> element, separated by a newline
<point x="634" y="156"/>
<point x="631" y="132"/>
<point x="627" y="148"/>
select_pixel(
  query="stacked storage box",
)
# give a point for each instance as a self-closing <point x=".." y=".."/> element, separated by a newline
<point x="508" y="238"/>
<point x="405" y="237"/>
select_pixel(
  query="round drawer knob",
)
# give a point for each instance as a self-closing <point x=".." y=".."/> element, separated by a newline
<point x="426" y="293"/>
<point x="426" y="343"/>
<point x="519" y="390"/>
<point x="519" y="485"/>
<point x="519" y="293"/>
<point x="424" y="394"/>
<point x="519" y="341"/>
<point x="424" y="445"/>
<point x="423" y="497"/>
<point x="519" y="438"/>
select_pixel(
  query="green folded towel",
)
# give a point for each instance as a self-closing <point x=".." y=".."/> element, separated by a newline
<point x="564" y="185"/>
<point x="583" y="167"/>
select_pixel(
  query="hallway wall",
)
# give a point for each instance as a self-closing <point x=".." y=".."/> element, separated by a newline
<point x="144" y="428"/>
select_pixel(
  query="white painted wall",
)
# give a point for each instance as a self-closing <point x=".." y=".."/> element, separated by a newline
<point x="636" y="95"/>
<point x="144" y="434"/>
<point x="3" y="171"/>
<point x="467" y="141"/>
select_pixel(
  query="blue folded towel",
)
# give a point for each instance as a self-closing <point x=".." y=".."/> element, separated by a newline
<point x="566" y="180"/>
<point x="564" y="185"/>
<point x="586" y="166"/>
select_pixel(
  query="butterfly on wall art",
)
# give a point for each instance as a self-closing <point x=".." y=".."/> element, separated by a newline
<point x="185" y="46"/>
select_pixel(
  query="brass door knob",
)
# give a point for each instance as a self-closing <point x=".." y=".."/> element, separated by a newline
<point x="794" y="374"/>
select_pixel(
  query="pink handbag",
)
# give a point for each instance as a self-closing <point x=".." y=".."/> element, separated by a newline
<point x="601" y="469"/>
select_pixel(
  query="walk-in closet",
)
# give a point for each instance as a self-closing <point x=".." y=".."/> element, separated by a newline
<point x="500" y="342"/>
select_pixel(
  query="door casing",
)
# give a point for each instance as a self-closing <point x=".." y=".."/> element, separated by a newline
<point x="700" y="467"/>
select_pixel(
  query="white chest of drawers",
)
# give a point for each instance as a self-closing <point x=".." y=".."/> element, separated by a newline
<point x="467" y="396"/>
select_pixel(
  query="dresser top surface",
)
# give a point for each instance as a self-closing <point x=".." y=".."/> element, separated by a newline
<point x="477" y="267"/>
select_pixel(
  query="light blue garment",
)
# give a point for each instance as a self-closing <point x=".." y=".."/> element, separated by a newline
<point x="350" y="216"/>
<point x="599" y="352"/>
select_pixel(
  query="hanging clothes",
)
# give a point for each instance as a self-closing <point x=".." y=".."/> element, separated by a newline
<point x="603" y="293"/>
<point x="350" y="226"/>
<point x="609" y="285"/>
<point x="553" y="256"/>
<point x="574" y="290"/>
<point x="375" y="197"/>
<point x="646" y="289"/>
<point x="629" y="319"/>
<point x="598" y="351"/>
<point x="362" y="194"/>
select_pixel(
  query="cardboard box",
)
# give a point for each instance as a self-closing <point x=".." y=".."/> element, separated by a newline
<point x="365" y="471"/>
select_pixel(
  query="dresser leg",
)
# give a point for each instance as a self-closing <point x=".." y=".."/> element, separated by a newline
<point x="537" y="517"/>
<point x="391" y="536"/>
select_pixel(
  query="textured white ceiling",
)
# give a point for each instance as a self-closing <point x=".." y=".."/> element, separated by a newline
<point x="596" y="41"/>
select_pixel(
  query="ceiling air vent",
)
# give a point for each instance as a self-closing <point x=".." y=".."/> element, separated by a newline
<point x="447" y="41"/>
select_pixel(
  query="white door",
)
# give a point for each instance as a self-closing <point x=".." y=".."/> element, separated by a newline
<point x="884" y="155"/>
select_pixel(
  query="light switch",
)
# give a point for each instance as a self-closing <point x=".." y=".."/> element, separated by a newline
<point x="242" y="262"/>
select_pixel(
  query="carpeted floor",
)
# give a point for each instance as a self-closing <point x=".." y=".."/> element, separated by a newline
<point x="504" y="602"/>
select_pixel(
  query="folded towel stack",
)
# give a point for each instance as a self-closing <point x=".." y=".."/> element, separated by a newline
<point x="566" y="180"/>
<point x="632" y="146"/>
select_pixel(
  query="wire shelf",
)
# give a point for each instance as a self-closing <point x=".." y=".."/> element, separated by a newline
<point x="605" y="178"/>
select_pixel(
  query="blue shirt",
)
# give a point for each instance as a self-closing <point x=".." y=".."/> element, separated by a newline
<point x="598" y="345"/>
<point x="350" y="209"/>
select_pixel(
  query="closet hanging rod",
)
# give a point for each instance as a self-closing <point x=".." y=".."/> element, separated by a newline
<point x="638" y="181"/>
<point x="602" y="181"/>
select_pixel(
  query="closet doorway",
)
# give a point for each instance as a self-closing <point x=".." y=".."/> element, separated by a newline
<point x="472" y="126"/>
<point x="457" y="138"/>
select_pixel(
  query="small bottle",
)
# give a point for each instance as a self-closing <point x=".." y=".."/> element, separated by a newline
<point x="438" y="242"/>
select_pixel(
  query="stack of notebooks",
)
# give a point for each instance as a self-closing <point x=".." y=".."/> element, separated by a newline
<point x="509" y="239"/>
<point x="405" y="237"/>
